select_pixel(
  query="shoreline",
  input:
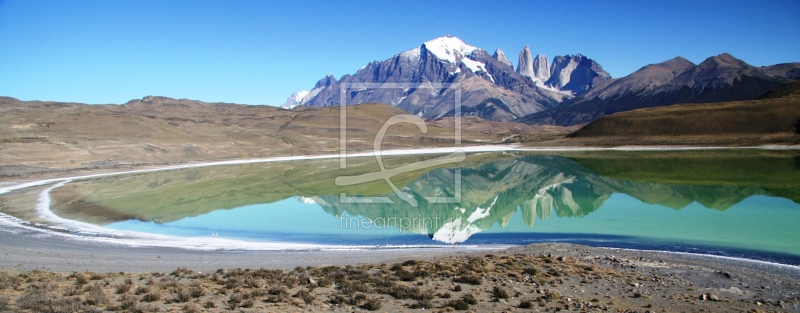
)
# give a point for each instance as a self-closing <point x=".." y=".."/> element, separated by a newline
<point x="29" y="249"/>
<point x="576" y="276"/>
<point x="10" y="185"/>
<point x="364" y="254"/>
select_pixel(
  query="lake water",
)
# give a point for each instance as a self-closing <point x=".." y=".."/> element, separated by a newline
<point x="741" y="203"/>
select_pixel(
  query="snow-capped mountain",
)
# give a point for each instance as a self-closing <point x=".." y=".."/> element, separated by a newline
<point x="490" y="87"/>
<point x="295" y="99"/>
<point x="449" y="48"/>
<point x="573" y="89"/>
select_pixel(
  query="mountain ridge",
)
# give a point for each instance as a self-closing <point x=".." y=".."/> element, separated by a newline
<point x="719" y="78"/>
<point x="450" y="61"/>
<point x="570" y="90"/>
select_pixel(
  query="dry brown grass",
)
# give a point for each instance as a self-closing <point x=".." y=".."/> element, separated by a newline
<point x="53" y="136"/>
<point x="728" y="119"/>
<point x="558" y="283"/>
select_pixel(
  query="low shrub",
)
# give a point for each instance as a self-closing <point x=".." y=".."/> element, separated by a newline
<point x="459" y="305"/>
<point x="95" y="295"/>
<point x="469" y="298"/>
<point x="372" y="304"/>
<point x="422" y="305"/>
<point x="305" y="295"/>
<point x="468" y="279"/>
<point x="500" y="293"/>
<point x="128" y="302"/>
<point x="124" y="288"/>
<point x="151" y="297"/>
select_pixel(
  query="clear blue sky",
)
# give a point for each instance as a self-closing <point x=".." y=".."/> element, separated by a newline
<point x="259" y="52"/>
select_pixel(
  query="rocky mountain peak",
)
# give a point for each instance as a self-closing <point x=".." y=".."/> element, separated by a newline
<point x="491" y="87"/>
<point x="724" y="59"/>
<point x="675" y="65"/>
<point x="541" y="68"/>
<point x="576" y="73"/>
<point x="326" y="82"/>
<point x="677" y="62"/>
<point x="719" y="78"/>
<point x="525" y="64"/>
<point x="500" y="56"/>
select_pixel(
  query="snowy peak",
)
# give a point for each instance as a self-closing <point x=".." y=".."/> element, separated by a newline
<point x="410" y="55"/>
<point x="500" y="56"/>
<point x="295" y="99"/>
<point x="447" y="59"/>
<point x="448" y="48"/>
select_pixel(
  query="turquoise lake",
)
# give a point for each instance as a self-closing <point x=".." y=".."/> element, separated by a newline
<point x="731" y="203"/>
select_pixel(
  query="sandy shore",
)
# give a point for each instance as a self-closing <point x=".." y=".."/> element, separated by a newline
<point x="31" y="250"/>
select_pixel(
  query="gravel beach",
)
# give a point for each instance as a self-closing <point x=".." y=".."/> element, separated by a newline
<point x="539" y="277"/>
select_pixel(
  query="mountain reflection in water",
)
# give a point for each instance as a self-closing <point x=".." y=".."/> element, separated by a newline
<point x="494" y="189"/>
<point x="538" y="186"/>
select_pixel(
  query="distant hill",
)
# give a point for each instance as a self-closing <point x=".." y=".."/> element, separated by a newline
<point x="777" y="112"/>
<point x="717" y="79"/>
<point x="43" y="136"/>
<point x="790" y="90"/>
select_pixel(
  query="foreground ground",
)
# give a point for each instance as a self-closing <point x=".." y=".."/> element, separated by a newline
<point x="542" y="277"/>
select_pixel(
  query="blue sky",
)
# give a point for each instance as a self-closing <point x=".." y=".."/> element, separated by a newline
<point x="259" y="52"/>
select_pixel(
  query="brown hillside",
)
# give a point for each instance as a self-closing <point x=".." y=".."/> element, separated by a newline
<point x="790" y="90"/>
<point x="51" y="136"/>
<point x="776" y="115"/>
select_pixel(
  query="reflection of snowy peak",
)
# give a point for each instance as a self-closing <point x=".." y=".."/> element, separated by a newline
<point x="454" y="232"/>
<point x="538" y="186"/>
<point x="311" y="200"/>
<point x="459" y="230"/>
<point x="305" y="200"/>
